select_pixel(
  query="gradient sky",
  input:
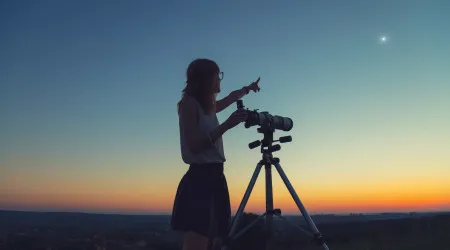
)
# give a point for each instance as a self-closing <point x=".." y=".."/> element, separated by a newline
<point x="88" y="93"/>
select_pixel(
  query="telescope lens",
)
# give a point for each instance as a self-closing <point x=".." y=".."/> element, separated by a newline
<point x="282" y="123"/>
<point x="255" y="118"/>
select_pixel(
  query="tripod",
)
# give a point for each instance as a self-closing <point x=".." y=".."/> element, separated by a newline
<point x="268" y="160"/>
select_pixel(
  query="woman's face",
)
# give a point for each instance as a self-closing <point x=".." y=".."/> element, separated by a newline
<point x="216" y="82"/>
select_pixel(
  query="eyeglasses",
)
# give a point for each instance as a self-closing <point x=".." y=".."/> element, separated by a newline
<point x="221" y="75"/>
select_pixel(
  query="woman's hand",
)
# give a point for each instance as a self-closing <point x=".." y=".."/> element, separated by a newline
<point x="254" y="85"/>
<point x="235" y="118"/>
<point x="245" y="90"/>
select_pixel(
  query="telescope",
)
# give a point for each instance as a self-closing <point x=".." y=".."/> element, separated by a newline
<point x="268" y="124"/>
<point x="266" y="120"/>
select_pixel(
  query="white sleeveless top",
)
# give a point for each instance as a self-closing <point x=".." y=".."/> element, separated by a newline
<point x="207" y="124"/>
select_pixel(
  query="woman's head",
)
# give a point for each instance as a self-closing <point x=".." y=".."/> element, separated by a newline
<point x="203" y="79"/>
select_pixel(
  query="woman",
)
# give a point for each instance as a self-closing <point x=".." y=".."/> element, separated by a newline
<point x="202" y="204"/>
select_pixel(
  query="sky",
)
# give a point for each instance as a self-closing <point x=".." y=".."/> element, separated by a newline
<point x="88" y="93"/>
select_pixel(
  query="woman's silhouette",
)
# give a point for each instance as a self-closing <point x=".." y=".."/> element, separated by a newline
<point x="202" y="205"/>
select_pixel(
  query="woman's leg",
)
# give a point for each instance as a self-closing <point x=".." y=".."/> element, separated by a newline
<point x="214" y="223"/>
<point x="195" y="241"/>
<point x="217" y="244"/>
<point x="223" y="214"/>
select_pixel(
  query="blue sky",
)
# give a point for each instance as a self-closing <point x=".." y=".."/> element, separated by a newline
<point x="88" y="89"/>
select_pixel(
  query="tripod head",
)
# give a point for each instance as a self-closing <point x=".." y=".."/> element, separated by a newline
<point x="266" y="143"/>
<point x="268" y="124"/>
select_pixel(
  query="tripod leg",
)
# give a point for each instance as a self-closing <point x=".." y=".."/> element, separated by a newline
<point x="317" y="235"/>
<point x="244" y="201"/>
<point x="237" y="235"/>
<point x="269" y="197"/>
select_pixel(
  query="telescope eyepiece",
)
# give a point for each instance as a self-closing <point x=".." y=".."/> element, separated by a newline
<point x="239" y="104"/>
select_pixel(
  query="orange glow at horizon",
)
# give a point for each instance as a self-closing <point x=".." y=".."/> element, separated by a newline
<point x="135" y="204"/>
<point x="129" y="192"/>
<point x="151" y="202"/>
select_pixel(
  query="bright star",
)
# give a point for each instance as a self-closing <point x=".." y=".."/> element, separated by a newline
<point x="383" y="39"/>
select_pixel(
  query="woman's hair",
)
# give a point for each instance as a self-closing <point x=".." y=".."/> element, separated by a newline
<point x="199" y="82"/>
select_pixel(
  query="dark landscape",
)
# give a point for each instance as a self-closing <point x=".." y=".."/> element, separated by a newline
<point x="73" y="231"/>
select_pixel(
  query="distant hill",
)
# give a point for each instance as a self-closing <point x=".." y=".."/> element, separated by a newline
<point x="17" y="219"/>
<point x="333" y="218"/>
<point x="84" y="221"/>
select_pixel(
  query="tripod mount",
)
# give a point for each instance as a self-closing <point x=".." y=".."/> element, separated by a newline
<point x="267" y="148"/>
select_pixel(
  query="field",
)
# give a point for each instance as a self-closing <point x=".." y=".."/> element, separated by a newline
<point x="72" y="231"/>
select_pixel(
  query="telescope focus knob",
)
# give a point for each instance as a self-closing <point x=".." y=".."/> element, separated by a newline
<point x="254" y="144"/>
<point x="274" y="148"/>
<point x="285" y="139"/>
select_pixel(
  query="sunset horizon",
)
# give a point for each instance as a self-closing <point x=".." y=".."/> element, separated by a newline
<point x="315" y="198"/>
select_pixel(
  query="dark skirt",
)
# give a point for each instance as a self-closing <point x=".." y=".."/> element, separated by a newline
<point x="202" y="202"/>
